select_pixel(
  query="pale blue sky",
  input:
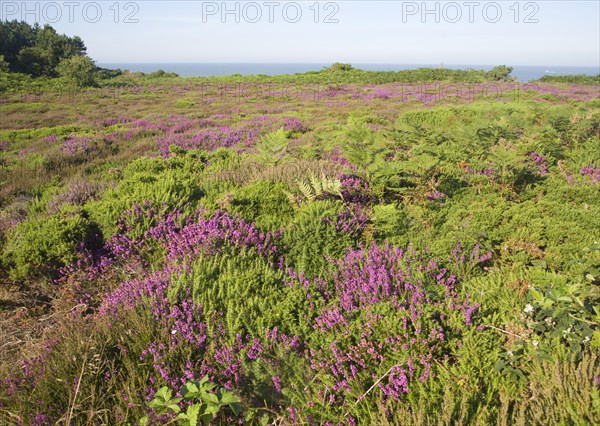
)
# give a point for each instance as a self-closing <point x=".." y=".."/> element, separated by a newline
<point x="567" y="32"/>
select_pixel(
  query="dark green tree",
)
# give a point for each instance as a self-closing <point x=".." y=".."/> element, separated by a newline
<point x="36" y="50"/>
<point x="15" y="36"/>
<point x="35" y="61"/>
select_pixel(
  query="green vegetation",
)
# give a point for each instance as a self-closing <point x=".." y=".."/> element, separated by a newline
<point x="35" y="50"/>
<point x="79" y="71"/>
<point x="579" y="79"/>
<point x="172" y="254"/>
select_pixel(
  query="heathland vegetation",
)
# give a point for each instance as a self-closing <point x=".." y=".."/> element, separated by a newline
<point x="337" y="247"/>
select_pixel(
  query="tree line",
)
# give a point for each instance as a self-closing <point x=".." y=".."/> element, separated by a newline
<point x="36" y="50"/>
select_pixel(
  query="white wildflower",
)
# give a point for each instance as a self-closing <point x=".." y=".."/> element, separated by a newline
<point x="535" y="343"/>
<point x="528" y="309"/>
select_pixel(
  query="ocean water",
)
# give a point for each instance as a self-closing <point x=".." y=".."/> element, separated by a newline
<point x="522" y="72"/>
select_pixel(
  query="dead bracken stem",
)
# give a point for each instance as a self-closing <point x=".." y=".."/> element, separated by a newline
<point x="504" y="331"/>
<point x="76" y="391"/>
<point x="360" y="398"/>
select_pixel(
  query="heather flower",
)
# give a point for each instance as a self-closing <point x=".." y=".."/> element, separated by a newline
<point x="434" y="196"/>
<point x="112" y="121"/>
<point x="538" y="163"/>
<point x="353" y="219"/>
<point x="337" y="157"/>
<point x="355" y="189"/>
<point x="592" y="172"/>
<point x="292" y="124"/>
<point x="74" y="145"/>
<point x="277" y="384"/>
<point x="39" y="420"/>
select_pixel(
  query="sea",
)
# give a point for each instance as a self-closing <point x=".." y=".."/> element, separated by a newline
<point x="521" y="72"/>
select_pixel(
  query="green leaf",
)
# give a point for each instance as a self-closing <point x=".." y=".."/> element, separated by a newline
<point x="174" y="408"/>
<point x="536" y="295"/>
<point x="210" y="398"/>
<point x="157" y="404"/>
<point x="208" y="386"/>
<point x="212" y="409"/>
<point x="183" y="419"/>
<point x="596" y="339"/>
<point x="193" y="413"/>
<point x="206" y="417"/>
<point x="190" y="390"/>
<point x="228" y="397"/>
<point x="164" y="393"/>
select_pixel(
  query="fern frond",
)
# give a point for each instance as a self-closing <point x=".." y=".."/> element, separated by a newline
<point x="332" y="186"/>
<point x="306" y="189"/>
<point x="317" y="185"/>
<point x="273" y="146"/>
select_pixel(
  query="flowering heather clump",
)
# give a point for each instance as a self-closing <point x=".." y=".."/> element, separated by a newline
<point x="538" y="163"/>
<point x="406" y="313"/>
<point x="465" y="262"/>
<point x="209" y="139"/>
<point x="180" y="328"/>
<point x="355" y="189"/>
<point x="187" y="136"/>
<point x="592" y="172"/>
<point x="381" y="92"/>
<point x="74" y="145"/>
<point x="292" y="124"/>
<point x="210" y="235"/>
<point x="353" y="219"/>
<point x="145" y="231"/>
<point x="31" y="369"/>
<point x="337" y="157"/>
<point x="4" y="146"/>
<point x="148" y="125"/>
<point x="50" y="139"/>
